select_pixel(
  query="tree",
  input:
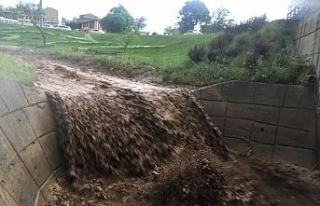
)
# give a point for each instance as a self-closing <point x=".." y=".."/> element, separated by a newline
<point x="127" y="38"/>
<point x="140" y="23"/>
<point x="219" y="21"/>
<point x="168" y="31"/>
<point x="192" y="13"/>
<point x="117" y="20"/>
<point x="34" y="12"/>
<point x="220" y="17"/>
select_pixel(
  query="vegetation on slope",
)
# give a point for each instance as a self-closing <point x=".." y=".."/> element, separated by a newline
<point x="168" y="55"/>
<point x="255" y="51"/>
<point x="15" y="69"/>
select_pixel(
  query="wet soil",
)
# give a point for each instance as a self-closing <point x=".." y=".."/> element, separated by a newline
<point x="197" y="178"/>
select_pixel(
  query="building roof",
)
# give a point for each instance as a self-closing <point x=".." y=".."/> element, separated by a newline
<point x="89" y="16"/>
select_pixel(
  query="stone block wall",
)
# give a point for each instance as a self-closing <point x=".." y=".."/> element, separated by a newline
<point x="275" y="121"/>
<point x="29" y="150"/>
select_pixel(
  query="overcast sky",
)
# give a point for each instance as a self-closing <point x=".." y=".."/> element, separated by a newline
<point x="162" y="13"/>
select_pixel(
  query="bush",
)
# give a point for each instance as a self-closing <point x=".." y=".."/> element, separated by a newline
<point x="197" y="53"/>
<point x="261" y="46"/>
<point x="257" y="22"/>
<point x="254" y="23"/>
<point x="220" y="43"/>
<point x="233" y="51"/>
<point x="254" y="50"/>
<point x="286" y="69"/>
<point x="252" y="60"/>
<point x="273" y="75"/>
<point x="204" y="74"/>
<point x="212" y="56"/>
<point x="220" y="47"/>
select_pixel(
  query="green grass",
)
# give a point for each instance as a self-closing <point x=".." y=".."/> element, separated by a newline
<point x="15" y="69"/>
<point x="203" y="74"/>
<point x="156" y="51"/>
<point x="166" y="55"/>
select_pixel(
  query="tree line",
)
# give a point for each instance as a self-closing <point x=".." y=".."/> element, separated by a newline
<point x="193" y="13"/>
<point x="118" y="20"/>
<point x="196" y="13"/>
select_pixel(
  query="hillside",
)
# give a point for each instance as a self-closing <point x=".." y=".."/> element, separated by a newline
<point x="265" y="54"/>
<point x="157" y="51"/>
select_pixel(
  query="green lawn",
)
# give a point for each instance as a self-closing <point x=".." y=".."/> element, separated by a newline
<point x="164" y="55"/>
<point x="15" y="69"/>
<point x="156" y="51"/>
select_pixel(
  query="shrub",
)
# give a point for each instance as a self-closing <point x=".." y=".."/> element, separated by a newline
<point x="233" y="51"/>
<point x="242" y="40"/>
<point x="261" y="46"/>
<point x="273" y="75"/>
<point x="221" y="43"/>
<point x="254" y="23"/>
<point x="257" y="22"/>
<point x="212" y="56"/>
<point x="300" y="67"/>
<point x="197" y="53"/>
<point x="252" y="60"/>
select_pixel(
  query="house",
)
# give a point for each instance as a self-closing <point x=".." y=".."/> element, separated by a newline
<point x="51" y="16"/>
<point x="89" y="22"/>
<point x="25" y="20"/>
<point x="10" y="15"/>
<point x="7" y="14"/>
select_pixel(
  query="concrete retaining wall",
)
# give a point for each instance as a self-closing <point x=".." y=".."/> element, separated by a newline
<point x="29" y="151"/>
<point x="276" y="121"/>
<point x="308" y="38"/>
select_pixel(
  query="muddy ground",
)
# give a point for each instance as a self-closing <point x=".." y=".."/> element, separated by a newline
<point x="133" y="143"/>
<point x="197" y="179"/>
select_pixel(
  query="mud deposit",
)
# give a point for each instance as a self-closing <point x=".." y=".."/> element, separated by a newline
<point x="125" y="133"/>
<point x="125" y="147"/>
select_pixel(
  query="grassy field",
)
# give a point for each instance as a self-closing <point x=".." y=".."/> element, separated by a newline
<point x="167" y="55"/>
<point x="156" y="51"/>
<point x="15" y="69"/>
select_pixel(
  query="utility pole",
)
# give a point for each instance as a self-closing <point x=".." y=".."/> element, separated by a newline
<point x="41" y="16"/>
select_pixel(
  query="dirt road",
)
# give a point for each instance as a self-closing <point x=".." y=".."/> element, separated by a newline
<point x="59" y="77"/>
